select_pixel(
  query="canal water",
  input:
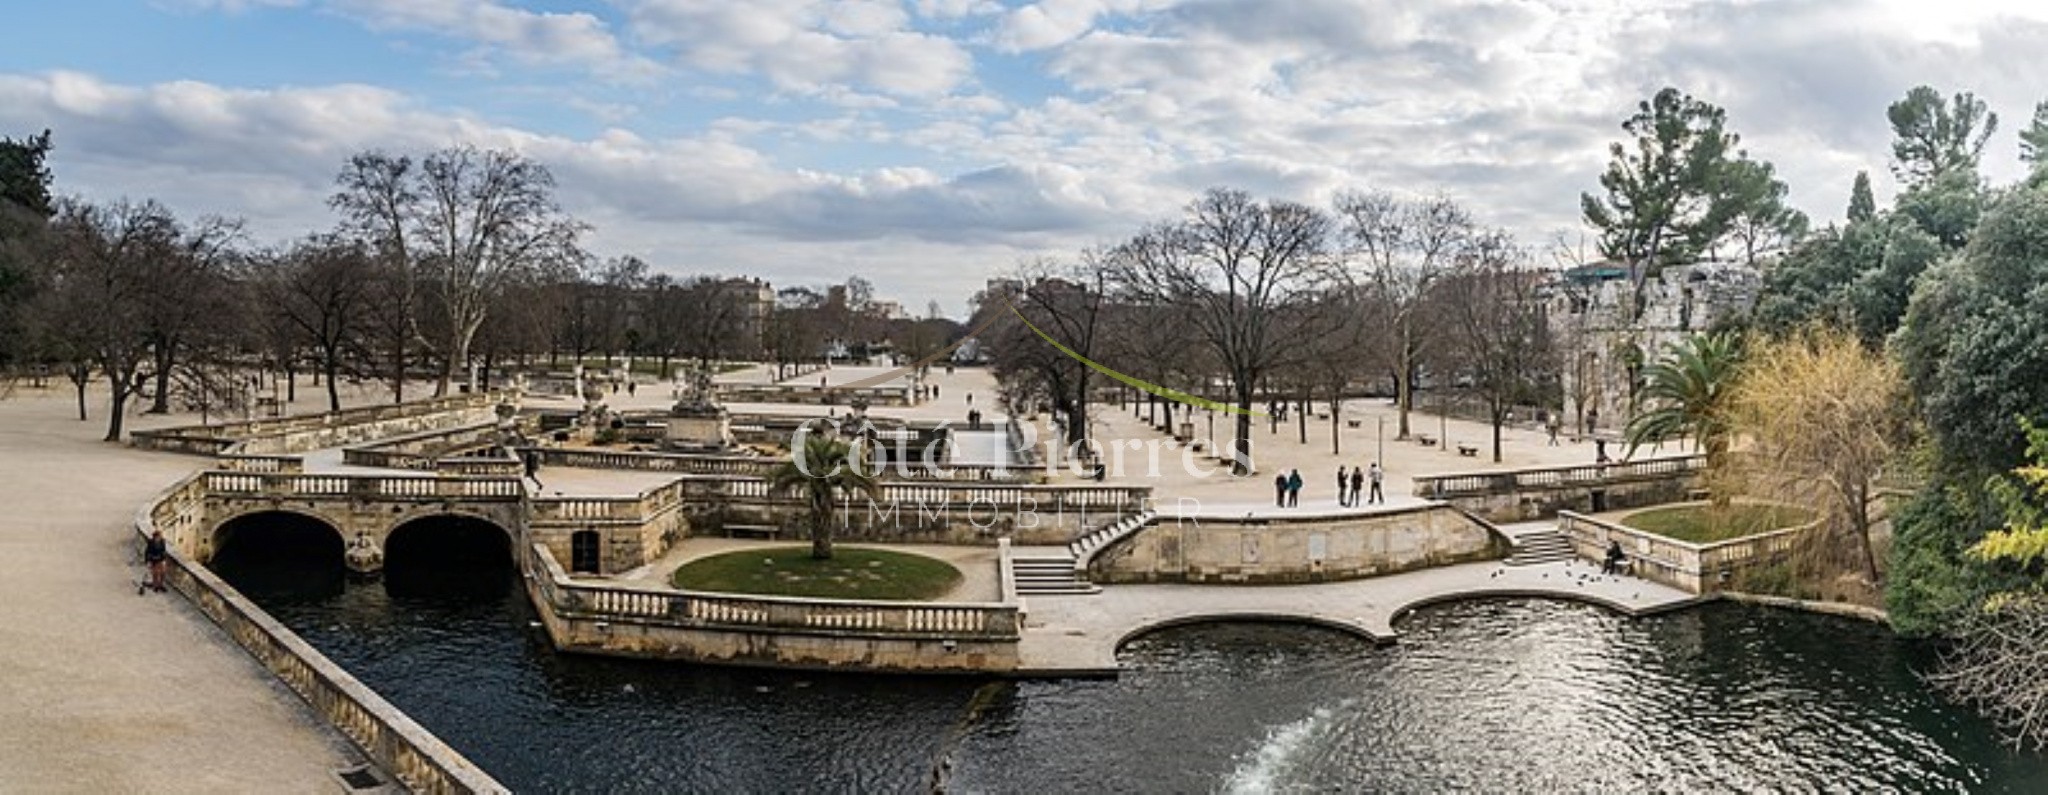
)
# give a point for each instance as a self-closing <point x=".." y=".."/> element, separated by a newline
<point x="1493" y="696"/>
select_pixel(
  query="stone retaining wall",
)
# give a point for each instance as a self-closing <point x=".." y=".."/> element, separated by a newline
<point x="920" y="637"/>
<point x="1297" y="549"/>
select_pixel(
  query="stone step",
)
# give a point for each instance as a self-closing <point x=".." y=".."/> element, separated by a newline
<point x="1069" y="589"/>
<point x="1540" y="547"/>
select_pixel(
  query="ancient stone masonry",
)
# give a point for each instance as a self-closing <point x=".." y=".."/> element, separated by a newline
<point x="1606" y="341"/>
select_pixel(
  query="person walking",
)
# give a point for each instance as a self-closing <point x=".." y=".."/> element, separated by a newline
<point x="1377" y="475"/>
<point x="532" y="461"/>
<point x="1280" y="491"/>
<point x="1357" y="484"/>
<point x="1556" y="421"/>
<point x="1592" y="422"/>
<point x="1343" y="482"/>
<point x="157" y="555"/>
<point x="1294" y="488"/>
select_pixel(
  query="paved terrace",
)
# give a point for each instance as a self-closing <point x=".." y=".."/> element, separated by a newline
<point x="107" y="691"/>
<point x="1080" y="635"/>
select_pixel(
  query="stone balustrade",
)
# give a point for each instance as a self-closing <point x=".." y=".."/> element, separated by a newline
<point x="253" y="462"/>
<point x="214" y="439"/>
<point x="1697" y="568"/>
<point x="757" y="466"/>
<point x="419" y="761"/>
<point x="411" y="486"/>
<point x="1480" y="483"/>
<point x="424" y="449"/>
<point x="958" y="621"/>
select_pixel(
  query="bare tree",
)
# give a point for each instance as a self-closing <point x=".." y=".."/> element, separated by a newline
<point x="322" y="288"/>
<point x="186" y="292"/>
<point x="1064" y="300"/>
<point x="1500" y="332"/>
<point x="460" y="226"/>
<point x="1232" y="268"/>
<point x="101" y="259"/>
<point x="1397" y="251"/>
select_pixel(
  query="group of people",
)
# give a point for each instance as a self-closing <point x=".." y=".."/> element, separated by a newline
<point x="1351" y="485"/>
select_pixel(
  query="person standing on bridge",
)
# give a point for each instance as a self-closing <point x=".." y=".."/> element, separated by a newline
<point x="1343" y="482"/>
<point x="1357" y="485"/>
<point x="1377" y="475"/>
<point x="1280" y="490"/>
<point x="1294" y="488"/>
<point x="532" y="461"/>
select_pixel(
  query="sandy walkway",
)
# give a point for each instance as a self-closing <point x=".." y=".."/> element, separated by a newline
<point x="104" y="690"/>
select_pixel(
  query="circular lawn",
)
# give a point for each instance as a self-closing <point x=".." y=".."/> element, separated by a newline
<point x="851" y="573"/>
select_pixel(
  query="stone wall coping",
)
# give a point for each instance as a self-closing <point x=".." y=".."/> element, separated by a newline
<point x="420" y="761"/>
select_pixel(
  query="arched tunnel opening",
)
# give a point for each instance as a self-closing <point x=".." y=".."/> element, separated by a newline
<point x="279" y="555"/>
<point x="448" y="556"/>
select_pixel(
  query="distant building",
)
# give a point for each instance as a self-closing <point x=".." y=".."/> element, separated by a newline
<point x="1605" y="348"/>
<point x="888" y="310"/>
<point x="750" y="302"/>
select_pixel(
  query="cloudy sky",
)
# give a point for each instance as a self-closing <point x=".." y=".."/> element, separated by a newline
<point x="928" y="144"/>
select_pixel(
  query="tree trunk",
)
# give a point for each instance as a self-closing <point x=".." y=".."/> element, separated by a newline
<point x="1241" y="447"/>
<point x="1302" y="421"/>
<point x="333" y="392"/>
<point x="81" y="377"/>
<point x="161" y="404"/>
<point x="1336" y="410"/>
<point x="121" y="392"/>
<point x="291" y="383"/>
<point x="821" y="527"/>
<point x="1496" y="431"/>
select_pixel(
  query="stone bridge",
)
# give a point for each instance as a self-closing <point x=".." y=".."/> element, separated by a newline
<point x="363" y="510"/>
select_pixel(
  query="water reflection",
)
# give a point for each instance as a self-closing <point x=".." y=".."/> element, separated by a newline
<point x="1508" y="696"/>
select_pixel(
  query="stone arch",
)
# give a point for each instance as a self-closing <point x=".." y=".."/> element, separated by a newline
<point x="223" y="530"/>
<point x="1354" y="629"/>
<point x="1482" y="594"/>
<point x="449" y="539"/>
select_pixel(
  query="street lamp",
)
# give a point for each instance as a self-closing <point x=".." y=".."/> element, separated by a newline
<point x="1381" y="456"/>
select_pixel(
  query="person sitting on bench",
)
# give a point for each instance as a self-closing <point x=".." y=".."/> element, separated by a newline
<point x="1615" y="557"/>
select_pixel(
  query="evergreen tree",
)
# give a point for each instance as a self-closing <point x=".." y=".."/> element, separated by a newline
<point x="1862" y="203"/>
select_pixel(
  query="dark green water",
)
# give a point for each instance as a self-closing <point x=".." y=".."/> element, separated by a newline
<point x="1498" y="696"/>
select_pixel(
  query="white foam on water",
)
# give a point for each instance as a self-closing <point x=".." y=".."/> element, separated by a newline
<point x="1265" y="769"/>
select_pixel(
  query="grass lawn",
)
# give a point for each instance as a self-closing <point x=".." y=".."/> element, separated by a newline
<point x="852" y="573"/>
<point x="1701" y="524"/>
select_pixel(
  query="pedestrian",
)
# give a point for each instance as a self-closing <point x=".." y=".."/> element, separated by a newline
<point x="1552" y="425"/>
<point x="1343" y="482"/>
<point x="157" y="555"/>
<point x="1377" y="476"/>
<point x="1614" y="558"/>
<point x="1280" y="491"/>
<point x="533" y="468"/>
<point x="1592" y="421"/>
<point x="630" y="388"/>
<point x="970" y="398"/>
<point x="1600" y="452"/>
<point x="1294" y="488"/>
<point x="1357" y="484"/>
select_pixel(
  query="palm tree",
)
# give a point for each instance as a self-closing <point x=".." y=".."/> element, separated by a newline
<point x="1686" y="392"/>
<point x="820" y="469"/>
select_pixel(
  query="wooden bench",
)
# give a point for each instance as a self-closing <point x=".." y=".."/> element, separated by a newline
<point x="1425" y="440"/>
<point x="764" y="531"/>
<point x="1468" y="451"/>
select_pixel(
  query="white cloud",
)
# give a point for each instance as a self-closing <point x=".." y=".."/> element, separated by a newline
<point x="806" y="45"/>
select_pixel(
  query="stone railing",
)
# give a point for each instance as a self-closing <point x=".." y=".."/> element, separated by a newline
<point x="962" y="621"/>
<point x="405" y="750"/>
<point x="423" y="449"/>
<point x="1698" y="568"/>
<point x="502" y="465"/>
<point x="319" y="485"/>
<point x="812" y="395"/>
<point x="1508" y="481"/>
<point x="252" y="462"/>
<point x="198" y="438"/>
<point x="1006" y="573"/>
<point x="757" y="466"/>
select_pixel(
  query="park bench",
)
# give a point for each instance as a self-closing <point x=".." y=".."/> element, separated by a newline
<point x="1425" y="440"/>
<point x="1353" y="423"/>
<point x="765" y="531"/>
<point x="1469" y="451"/>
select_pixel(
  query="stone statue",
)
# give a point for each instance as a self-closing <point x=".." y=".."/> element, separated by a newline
<point x="363" y="556"/>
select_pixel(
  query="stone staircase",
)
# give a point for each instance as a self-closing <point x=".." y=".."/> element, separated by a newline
<point x="1084" y="548"/>
<point x="1540" y="546"/>
<point x="1064" y="574"/>
<point x="1049" y="574"/>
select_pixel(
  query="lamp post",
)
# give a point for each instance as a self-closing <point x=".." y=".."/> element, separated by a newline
<point x="1381" y="456"/>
